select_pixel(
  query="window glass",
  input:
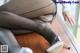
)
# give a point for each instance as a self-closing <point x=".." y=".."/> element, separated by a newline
<point x="3" y="2"/>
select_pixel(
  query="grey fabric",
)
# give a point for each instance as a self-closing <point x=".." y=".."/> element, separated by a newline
<point x="7" y="38"/>
<point x="42" y="7"/>
<point x="30" y="8"/>
<point x="21" y="31"/>
<point x="11" y="19"/>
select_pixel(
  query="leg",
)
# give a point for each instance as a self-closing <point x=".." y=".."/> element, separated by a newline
<point x="7" y="38"/>
<point x="13" y="21"/>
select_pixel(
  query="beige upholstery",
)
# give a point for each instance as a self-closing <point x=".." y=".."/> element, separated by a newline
<point x="30" y="8"/>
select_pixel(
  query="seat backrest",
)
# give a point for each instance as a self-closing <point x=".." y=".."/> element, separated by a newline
<point x="30" y="8"/>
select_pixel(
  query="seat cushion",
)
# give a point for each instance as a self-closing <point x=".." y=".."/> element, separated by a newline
<point x="34" y="41"/>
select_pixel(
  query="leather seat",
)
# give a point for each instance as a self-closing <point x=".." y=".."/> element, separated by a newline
<point x="34" y="41"/>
